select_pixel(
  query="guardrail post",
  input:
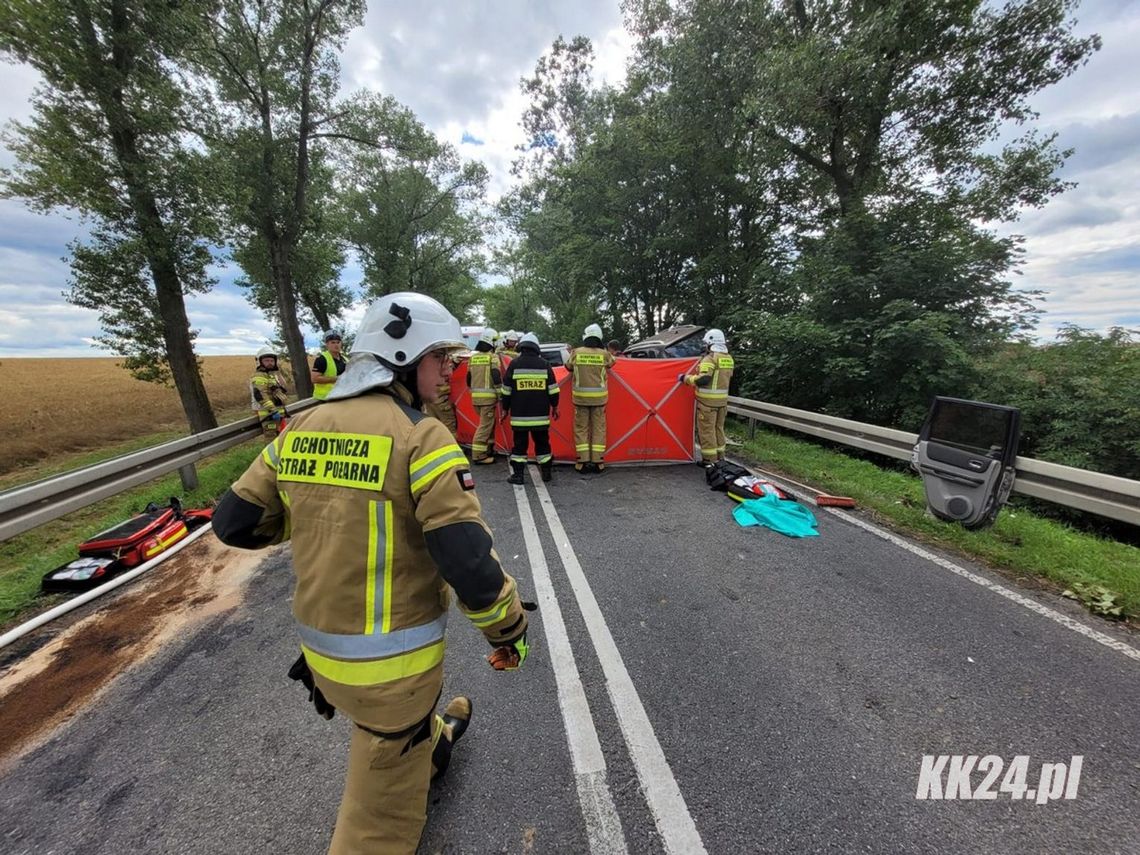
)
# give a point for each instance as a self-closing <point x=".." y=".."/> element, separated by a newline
<point x="752" y="428"/>
<point x="189" y="476"/>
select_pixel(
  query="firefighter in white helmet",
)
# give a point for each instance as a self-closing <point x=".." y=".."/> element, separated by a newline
<point x="589" y="366"/>
<point x="711" y="380"/>
<point x="442" y="408"/>
<point x="511" y="344"/>
<point x="267" y="392"/>
<point x="485" y="380"/>
<point x="379" y="504"/>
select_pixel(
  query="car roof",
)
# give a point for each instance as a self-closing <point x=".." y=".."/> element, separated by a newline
<point x="668" y="337"/>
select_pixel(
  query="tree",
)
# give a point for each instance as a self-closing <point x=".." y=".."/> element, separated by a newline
<point x="1079" y="397"/>
<point x="273" y="68"/>
<point x="517" y="303"/>
<point x="106" y="139"/>
<point x="316" y="263"/>
<point x="412" y="209"/>
<point x="874" y="131"/>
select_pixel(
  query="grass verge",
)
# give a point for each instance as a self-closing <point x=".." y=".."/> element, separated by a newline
<point x="1103" y="574"/>
<point x="24" y="559"/>
<point x="67" y="461"/>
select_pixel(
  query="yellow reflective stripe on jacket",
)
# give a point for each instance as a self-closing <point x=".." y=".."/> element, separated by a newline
<point x="425" y="470"/>
<point x="492" y="615"/>
<point x="528" y="423"/>
<point x="379" y="567"/>
<point x="371" y="672"/>
<point x="358" y="461"/>
<point x="496" y="611"/>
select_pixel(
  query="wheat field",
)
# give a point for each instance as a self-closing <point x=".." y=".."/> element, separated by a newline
<point x="51" y="407"/>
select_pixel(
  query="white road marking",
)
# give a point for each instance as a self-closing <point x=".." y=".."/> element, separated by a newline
<point x="1013" y="596"/>
<point x="603" y="826"/>
<point x="674" y="823"/>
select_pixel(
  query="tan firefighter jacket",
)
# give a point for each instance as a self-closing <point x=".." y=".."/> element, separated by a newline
<point x="361" y="487"/>
<point x="589" y="367"/>
<point x="712" y="379"/>
<point x="484" y="377"/>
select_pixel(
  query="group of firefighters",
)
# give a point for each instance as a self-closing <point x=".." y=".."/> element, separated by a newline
<point x="507" y="376"/>
<point x="379" y="502"/>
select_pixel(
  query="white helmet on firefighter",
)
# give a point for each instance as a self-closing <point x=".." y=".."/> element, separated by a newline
<point x="714" y="340"/>
<point x="511" y="335"/>
<point x="400" y="328"/>
<point x="397" y="330"/>
<point x="593" y="331"/>
<point x="530" y="340"/>
<point x="489" y="336"/>
<point x="265" y="351"/>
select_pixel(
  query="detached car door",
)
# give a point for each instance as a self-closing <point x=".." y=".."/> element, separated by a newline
<point x="966" y="452"/>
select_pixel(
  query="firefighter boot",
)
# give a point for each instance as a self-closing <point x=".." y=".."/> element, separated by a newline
<point x="547" y="470"/>
<point x="517" y="470"/>
<point x="449" y="728"/>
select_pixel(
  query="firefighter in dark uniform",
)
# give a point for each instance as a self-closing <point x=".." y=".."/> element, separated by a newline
<point x="485" y="380"/>
<point x="380" y="507"/>
<point x="711" y="381"/>
<point x="530" y="397"/>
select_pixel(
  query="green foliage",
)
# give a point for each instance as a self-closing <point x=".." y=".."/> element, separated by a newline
<point x="1079" y="397"/>
<point x="107" y="138"/>
<point x="1019" y="541"/>
<point x="819" y="178"/>
<point x="270" y="75"/>
<point x="109" y="276"/>
<point x="25" y="558"/>
<point x="411" y="208"/>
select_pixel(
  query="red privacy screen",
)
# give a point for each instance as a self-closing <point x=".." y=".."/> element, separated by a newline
<point x="649" y="417"/>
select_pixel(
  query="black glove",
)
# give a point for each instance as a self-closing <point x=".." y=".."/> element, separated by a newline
<point x="300" y="671"/>
<point x="680" y="378"/>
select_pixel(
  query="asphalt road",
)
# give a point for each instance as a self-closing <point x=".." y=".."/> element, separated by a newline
<point x="722" y="689"/>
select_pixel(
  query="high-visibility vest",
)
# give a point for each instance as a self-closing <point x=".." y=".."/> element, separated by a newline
<point x="321" y="390"/>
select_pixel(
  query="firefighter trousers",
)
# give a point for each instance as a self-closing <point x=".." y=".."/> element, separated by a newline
<point x="710" y="432"/>
<point x="590" y="432"/>
<point x="541" y="445"/>
<point x="384" y="806"/>
<point x="483" y="443"/>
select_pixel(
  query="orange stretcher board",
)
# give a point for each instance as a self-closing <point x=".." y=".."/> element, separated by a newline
<point x="649" y="417"/>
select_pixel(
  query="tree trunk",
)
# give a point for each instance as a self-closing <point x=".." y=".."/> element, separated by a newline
<point x="159" y="248"/>
<point x="279" y="262"/>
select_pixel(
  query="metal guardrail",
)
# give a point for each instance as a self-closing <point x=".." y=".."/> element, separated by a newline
<point x="1094" y="492"/>
<point x="30" y="505"/>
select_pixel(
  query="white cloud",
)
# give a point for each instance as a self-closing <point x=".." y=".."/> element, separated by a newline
<point x="458" y="67"/>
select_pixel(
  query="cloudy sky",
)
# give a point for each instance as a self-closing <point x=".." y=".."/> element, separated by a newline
<point x="458" y="64"/>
